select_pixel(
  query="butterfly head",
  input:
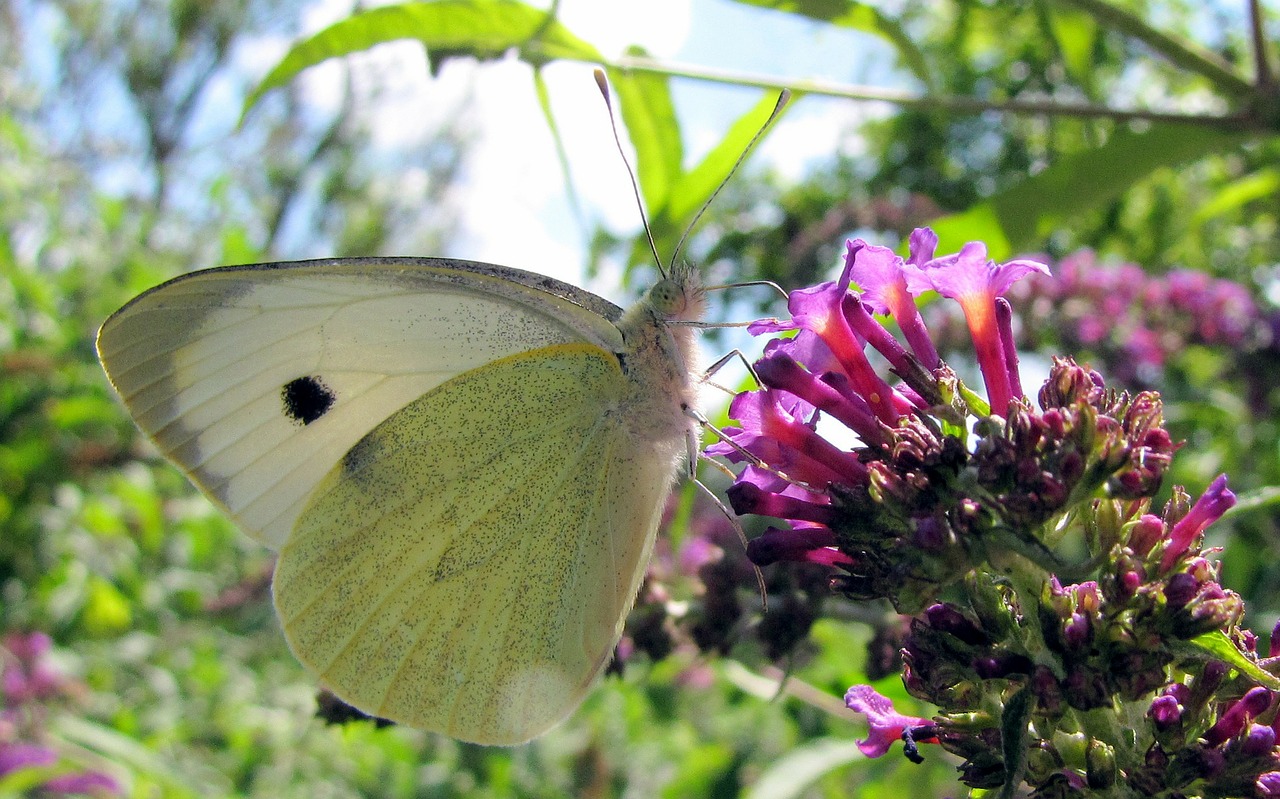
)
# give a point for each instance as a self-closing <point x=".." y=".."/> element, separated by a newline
<point x="679" y="296"/>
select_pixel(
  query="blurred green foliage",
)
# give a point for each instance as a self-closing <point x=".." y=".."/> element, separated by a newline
<point x="111" y="181"/>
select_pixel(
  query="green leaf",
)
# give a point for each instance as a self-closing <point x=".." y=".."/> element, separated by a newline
<point x="789" y="775"/>
<point x="699" y="770"/>
<point x="696" y="186"/>
<point x="485" y="29"/>
<point x="1219" y="646"/>
<point x="644" y="100"/>
<point x="1075" y="34"/>
<point x="106" y="611"/>
<point x="857" y="16"/>
<point x="1014" y="736"/>
<point x="1023" y="215"/>
<point x="1261" y="185"/>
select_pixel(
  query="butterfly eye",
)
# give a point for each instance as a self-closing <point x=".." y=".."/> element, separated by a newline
<point x="666" y="297"/>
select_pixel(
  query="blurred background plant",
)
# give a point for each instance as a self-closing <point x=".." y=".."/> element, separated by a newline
<point x="121" y="165"/>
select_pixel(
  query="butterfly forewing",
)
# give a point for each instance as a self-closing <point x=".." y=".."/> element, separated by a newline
<point x="256" y="380"/>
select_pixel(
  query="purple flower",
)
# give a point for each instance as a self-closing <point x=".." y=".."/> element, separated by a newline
<point x="813" y="544"/>
<point x="1268" y="784"/>
<point x="976" y="283"/>
<point x="882" y="276"/>
<point x="1260" y="741"/>
<point x="1165" y="712"/>
<point x="887" y="725"/>
<point x="821" y="311"/>
<point x="1215" y="501"/>
<point x="1238" y="716"/>
<point x="774" y="429"/>
<point x="969" y="517"/>
<point x="83" y="782"/>
<point x="16" y="756"/>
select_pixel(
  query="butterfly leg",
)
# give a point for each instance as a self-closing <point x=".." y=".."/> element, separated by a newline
<point x="722" y="362"/>
<point x="742" y="536"/>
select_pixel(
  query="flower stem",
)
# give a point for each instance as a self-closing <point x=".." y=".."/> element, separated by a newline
<point x="1179" y="52"/>
<point x="970" y="105"/>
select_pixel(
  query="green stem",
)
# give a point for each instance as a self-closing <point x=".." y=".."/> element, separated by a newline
<point x="1028" y="581"/>
<point x="968" y="105"/>
<point x="1179" y="52"/>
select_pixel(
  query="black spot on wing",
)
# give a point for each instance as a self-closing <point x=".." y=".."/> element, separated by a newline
<point x="307" y="399"/>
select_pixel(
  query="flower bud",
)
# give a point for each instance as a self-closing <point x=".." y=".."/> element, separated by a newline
<point x="1165" y="712"/>
<point x="1238" y="716"/>
<point x="945" y="618"/>
<point x="1268" y="784"/>
<point x="1145" y="533"/>
<point x="1260" y="741"/>
<point x="1100" y="765"/>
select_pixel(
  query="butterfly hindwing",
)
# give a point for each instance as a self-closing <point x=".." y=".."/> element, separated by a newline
<point x="468" y="566"/>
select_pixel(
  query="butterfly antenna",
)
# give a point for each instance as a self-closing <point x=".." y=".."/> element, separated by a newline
<point x="603" y="83"/>
<point x="783" y="98"/>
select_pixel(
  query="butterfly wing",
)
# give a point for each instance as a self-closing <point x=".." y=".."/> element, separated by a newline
<point x="257" y="380"/>
<point x="468" y="565"/>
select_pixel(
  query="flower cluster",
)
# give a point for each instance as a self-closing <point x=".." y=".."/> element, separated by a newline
<point x="28" y="683"/>
<point x="1131" y="322"/>
<point x="1073" y="640"/>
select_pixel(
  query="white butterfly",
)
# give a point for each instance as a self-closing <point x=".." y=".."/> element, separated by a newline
<point x="462" y="465"/>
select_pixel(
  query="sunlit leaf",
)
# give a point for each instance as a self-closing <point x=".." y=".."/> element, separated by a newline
<point x="1075" y="34"/>
<point x="1261" y="185"/>
<point x="1220" y="646"/>
<point x="484" y="29"/>
<point x="1020" y="216"/>
<point x="694" y="187"/>
<point x="106" y="611"/>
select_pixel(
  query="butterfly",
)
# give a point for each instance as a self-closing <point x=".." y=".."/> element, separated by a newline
<point x="462" y="466"/>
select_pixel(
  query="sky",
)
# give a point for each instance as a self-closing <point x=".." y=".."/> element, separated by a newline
<point x="512" y="193"/>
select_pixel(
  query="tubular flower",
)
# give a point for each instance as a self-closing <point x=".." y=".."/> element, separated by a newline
<point x="1046" y="595"/>
<point x="1215" y="501"/>
<point x="977" y="283"/>
<point x="887" y="725"/>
